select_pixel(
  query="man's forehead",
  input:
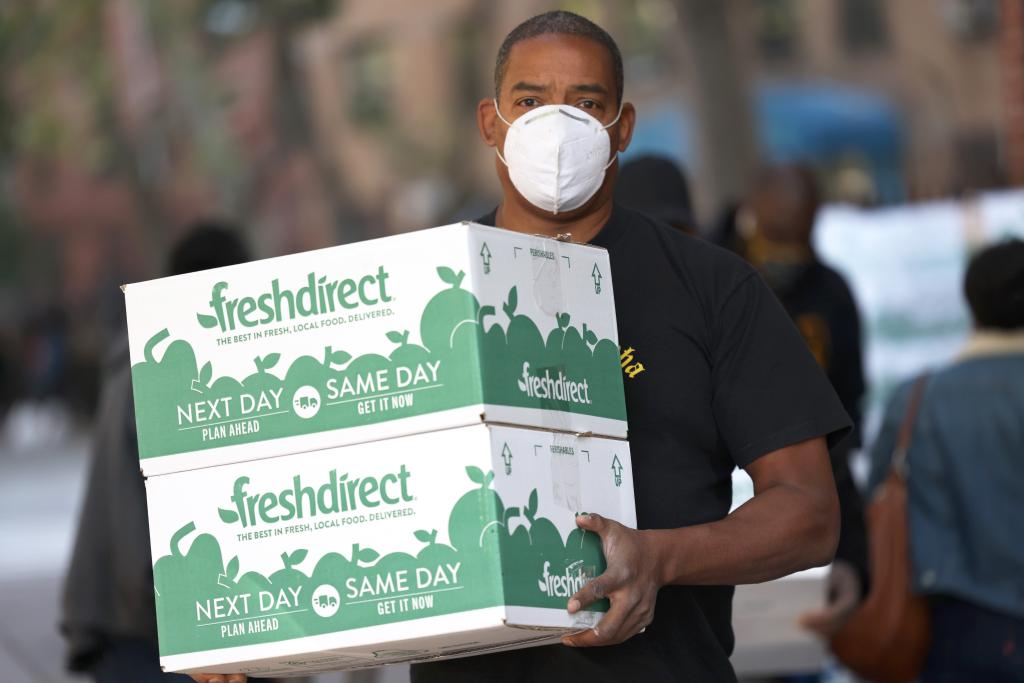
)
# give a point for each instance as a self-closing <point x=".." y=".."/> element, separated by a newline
<point x="559" y="60"/>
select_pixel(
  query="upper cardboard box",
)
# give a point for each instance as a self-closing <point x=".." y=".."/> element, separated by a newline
<point x="429" y="330"/>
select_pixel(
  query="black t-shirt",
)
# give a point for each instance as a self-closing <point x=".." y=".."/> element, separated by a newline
<point x="716" y="375"/>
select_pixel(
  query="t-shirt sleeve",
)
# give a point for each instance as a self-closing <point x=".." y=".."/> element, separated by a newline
<point x="768" y="391"/>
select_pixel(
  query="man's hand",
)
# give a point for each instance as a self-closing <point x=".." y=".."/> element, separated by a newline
<point x="630" y="582"/>
<point x="218" y="678"/>
<point x="843" y="596"/>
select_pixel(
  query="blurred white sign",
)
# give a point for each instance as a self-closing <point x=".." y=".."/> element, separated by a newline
<point x="905" y="265"/>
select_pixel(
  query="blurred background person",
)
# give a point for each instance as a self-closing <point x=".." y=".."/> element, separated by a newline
<point x="657" y="186"/>
<point x="966" y="483"/>
<point x="109" y="614"/>
<point x="775" y="231"/>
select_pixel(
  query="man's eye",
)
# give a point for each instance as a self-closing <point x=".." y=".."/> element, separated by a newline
<point x="529" y="102"/>
<point x="587" y="104"/>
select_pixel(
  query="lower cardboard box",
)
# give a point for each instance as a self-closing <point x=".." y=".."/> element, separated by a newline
<point x="441" y="544"/>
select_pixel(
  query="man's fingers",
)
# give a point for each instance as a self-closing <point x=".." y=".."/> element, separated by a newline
<point x="218" y="678"/>
<point x="592" y="522"/>
<point x="594" y="590"/>
<point x="622" y="622"/>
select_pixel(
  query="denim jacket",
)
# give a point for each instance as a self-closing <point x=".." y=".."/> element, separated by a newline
<point x="966" y="475"/>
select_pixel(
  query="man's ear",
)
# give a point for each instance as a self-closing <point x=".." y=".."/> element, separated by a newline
<point x="627" y="124"/>
<point x="486" y="116"/>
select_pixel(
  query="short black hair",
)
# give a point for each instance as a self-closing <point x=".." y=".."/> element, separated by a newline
<point x="208" y="244"/>
<point x="994" y="286"/>
<point x="562" y="23"/>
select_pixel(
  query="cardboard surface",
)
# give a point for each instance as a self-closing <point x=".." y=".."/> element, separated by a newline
<point x="429" y="330"/>
<point x="414" y="547"/>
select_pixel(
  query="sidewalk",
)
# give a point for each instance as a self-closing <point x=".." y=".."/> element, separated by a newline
<point x="40" y="493"/>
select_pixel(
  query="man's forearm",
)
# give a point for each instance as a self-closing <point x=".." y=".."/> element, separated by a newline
<point x="770" y="536"/>
<point x="778" y="532"/>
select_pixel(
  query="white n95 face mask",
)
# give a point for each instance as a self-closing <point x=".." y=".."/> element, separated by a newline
<point x="557" y="155"/>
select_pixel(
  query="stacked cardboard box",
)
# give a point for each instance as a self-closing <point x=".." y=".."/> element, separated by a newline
<point x="375" y="453"/>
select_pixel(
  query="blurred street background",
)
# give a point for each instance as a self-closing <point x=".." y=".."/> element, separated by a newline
<point x="311" y="123"/>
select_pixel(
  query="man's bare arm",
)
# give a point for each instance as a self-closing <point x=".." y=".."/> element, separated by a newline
<point x="791" y="523"/>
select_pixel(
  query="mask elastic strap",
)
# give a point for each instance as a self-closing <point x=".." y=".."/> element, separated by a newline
<point x="614" y="121"/>
<point x="497" y="111"/>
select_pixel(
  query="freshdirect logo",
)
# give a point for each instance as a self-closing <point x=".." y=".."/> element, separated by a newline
<point x="338" y="494"/>
<point x="318" y="296"/>
<point x="562" y="585"/>
<point x="560" y="388"/>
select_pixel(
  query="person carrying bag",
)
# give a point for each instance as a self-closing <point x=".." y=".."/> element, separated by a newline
<point x="887" y="638"/>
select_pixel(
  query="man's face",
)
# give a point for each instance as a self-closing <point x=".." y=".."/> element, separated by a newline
<point x="557" y="69"/>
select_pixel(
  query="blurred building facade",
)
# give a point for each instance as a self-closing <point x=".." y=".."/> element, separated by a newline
<point x="315" y="122"/>
<point x="916" y="97"/>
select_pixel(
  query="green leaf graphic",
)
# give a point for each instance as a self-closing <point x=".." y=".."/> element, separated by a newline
<point x="531" y="506"/>
<point x="422" y="536"/>
<point x="232" y="569"/>
<point x="488" y="478"/>
<point x="206" y="321"/>
<point x="395" y="337"/>
<point x="476" y="475"/>
<point x="227" y="516"/>
<point x="590" y="337"/>
<point x="298" y="556"/>
<point x="563" y="320"/>
<point x="368" y="555"/>
<point x="340" y="357"/>
<point x="448" y="275"/>
<point x="513" y="301"/>
<point x="270" y="360"/>
<point x="206" y="373"/>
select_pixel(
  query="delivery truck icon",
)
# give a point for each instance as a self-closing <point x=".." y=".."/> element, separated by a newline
<point x="325" y="600"/>
<point x="306" y="402"/>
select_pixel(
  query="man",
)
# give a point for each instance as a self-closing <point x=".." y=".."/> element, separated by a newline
<point x="965" y="483"/>
<point x="782" y="207"/>
<point x="715" y="376"/>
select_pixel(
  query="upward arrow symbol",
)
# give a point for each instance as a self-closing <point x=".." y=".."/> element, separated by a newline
<point x="506" y="455"/>
<point x="596" y="274"/>
<point x="617" y="470"/>
<point x="485" y="255"/>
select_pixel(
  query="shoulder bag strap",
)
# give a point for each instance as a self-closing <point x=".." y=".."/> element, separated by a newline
<point x="898" y="461"/>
